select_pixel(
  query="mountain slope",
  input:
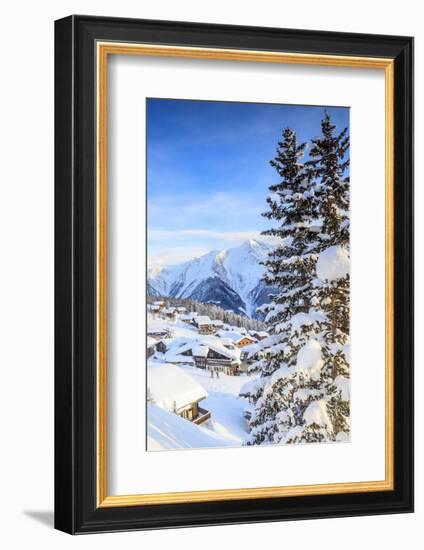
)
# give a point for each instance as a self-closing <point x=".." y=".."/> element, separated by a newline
<point x="230" y="278"/>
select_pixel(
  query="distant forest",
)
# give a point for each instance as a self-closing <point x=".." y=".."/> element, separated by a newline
<point x="211" y="310"/>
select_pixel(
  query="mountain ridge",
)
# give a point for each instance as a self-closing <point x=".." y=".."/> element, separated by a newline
<point x="231" y="278"/>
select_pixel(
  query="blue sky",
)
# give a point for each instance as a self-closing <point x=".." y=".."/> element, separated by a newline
<point x="208" y="170"/>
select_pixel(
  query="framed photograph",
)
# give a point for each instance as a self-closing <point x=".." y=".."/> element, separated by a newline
<point x="234" y="274"/>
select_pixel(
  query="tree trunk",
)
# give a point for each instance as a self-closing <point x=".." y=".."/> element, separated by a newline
<point x="333" y="317"/>
<point x="333" y="329"/>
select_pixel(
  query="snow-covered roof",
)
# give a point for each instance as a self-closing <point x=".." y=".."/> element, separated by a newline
<point x="171" y="388"/>
<point x="229" y="335"/>
<point x="216" y="345"/>
<point x="200" y="351"/>
<point x="157" y="333"/>
<point x="233" y="328"/>
<point x="175" y="354"/>
<point x="203" y="320"/>
<point x="188" y="316"/>
<point x="168" y="310"/>
<point x="151" y="342"/>
<point x="199" y="347"/>
<point x="233" y="336"/>
<point x="252" y="351"/>
<point x="247" y="337"/>
<point x="217" y="323"/>
<point x="227" y="342"/>
<point x="251" y="348"/>
<point x="230" y="354"/>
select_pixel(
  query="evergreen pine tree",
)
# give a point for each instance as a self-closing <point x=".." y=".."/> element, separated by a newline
<point x="328" y="166"/>
<point x="290" y="385"/>
<point x="293" y="205"/>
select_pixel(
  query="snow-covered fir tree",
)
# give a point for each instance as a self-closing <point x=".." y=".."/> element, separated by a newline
<point x="292" y="203"/>
<point x="290" y="360"/>
<point x="303" y="395"/>
<point x="328" y="166"/>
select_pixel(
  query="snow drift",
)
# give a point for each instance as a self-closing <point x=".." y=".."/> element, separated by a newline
<point x="333" y="263"/>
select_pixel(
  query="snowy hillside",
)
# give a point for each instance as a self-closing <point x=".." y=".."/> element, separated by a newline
<point x="230" y="278"/>
<point x="166" y="431"/>
<point x="176" y="384"/>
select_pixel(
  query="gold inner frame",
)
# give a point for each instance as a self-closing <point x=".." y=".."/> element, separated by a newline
<point x="104" y="49"/>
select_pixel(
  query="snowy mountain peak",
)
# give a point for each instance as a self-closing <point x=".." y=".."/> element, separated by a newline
<point x="252" y="243"/>
<point x="230" y="278"/>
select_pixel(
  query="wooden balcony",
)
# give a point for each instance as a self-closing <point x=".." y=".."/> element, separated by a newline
<point x="215" y="362"/>
<point x="203" y="416"/>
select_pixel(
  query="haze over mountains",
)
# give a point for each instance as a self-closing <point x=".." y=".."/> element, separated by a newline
<point x="229" y="278"/>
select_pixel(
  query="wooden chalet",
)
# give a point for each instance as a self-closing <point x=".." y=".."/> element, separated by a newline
<point x="259" y="334"/>
<point x="216" y="358"/>
<point x="204" y="325"/>
<point x="161" y="346"/>
<point x="157" y="306"/>
<point x="169" y="312"/>
<point x="189" y="318"/>
<point x="150" y="346"/>
<point x="174" y="390"/>
<point x="218" y="324"/>
<point x="238" y="339"/>
<point x="205" y="354"/>
<point x="245" y="341"/>
<point x="228" y="343"/>
<point x="158" y="334"/>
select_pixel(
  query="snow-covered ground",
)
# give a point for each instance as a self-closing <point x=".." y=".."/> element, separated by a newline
<point x="227" y="426"/>
<point x="224" y="403"/>
<point x="167" y="382"/>
<point x="176" y="328"/>
<point x="166" y="431"/>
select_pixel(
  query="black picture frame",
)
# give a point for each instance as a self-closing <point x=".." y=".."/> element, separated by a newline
<point x="76" y="510"/>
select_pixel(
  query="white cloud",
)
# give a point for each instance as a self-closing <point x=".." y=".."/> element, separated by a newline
<point x="174" y="247"/>
<point x="173" y="256"/>
<point x="194" y="224"/>
<point x="159" y="234"/>
<point x="215" y="210"/>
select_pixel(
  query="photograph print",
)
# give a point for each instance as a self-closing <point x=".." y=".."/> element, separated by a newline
<point x="248" y="316"/>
